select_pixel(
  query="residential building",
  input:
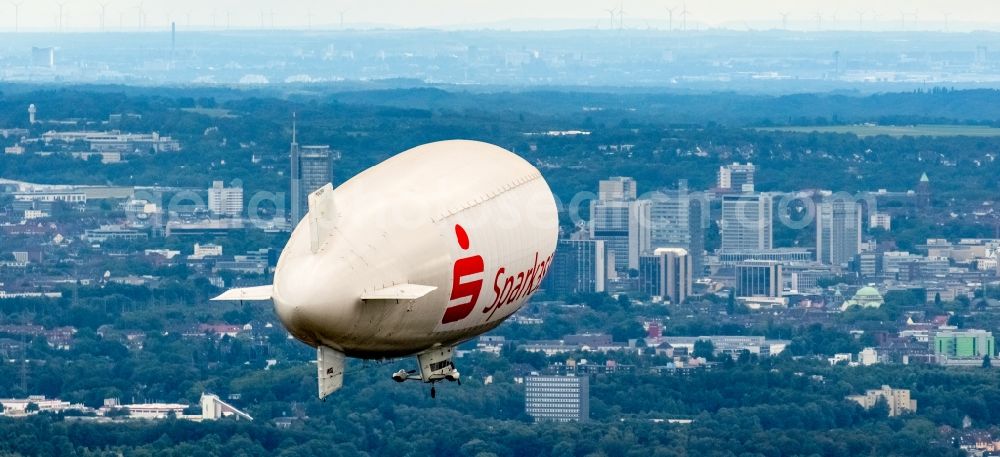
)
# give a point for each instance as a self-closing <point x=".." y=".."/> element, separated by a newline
<point x="880" y="220"/>
<point x="867" y="356"/>
<point x="557" y="398"/>
<point x="898" y="400"/>
<point x="202" y="251"/>
<point x="226" y="201"/>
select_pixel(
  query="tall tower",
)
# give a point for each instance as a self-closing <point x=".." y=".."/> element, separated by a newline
<point x="311" y="168"/>
<point x="838" y="231"/>
<point x="924" y="191"/>
<point x="31" y="113"/>
<point x="296" y="212"/>
<point x="612" y="219"/>
<point x="675" y="222"/>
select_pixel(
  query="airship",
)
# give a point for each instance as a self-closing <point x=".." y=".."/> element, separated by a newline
<point x="413" y="256"/>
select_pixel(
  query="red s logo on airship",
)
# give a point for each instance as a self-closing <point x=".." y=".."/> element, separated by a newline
<point x="466" y="282"/>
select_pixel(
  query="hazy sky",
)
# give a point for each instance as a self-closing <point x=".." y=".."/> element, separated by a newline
<point x="520" y="14"/>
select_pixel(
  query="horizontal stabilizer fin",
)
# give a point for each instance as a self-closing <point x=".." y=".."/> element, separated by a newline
<point x="322" y="217"/>
<point x="330" y="370"/>
<point x="246" y="294"/>
<point x="399" y="292"/>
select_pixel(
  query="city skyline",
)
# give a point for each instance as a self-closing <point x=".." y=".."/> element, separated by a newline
<point x="157" y="15"/>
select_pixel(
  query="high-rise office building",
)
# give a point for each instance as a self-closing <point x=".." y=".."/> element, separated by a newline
<point x="225" y="201"/>
<point x="609" y="218"/>
<point x="675" y="221"/>
<point x="756" y="278"/>
<point x="737" y="177"/>
<point x="311" y="168"/>
<point x="666" y="274"/>
<point x="838" y="231"/>
<point x="557" y="398"/>
<point x="578" y="267"/>
<point x="616" y="188"/>
<point x="747" y="222"/>
<point x="638" y="231"/>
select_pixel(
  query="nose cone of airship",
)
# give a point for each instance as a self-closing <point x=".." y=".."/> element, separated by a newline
<point x="309" y="295"/>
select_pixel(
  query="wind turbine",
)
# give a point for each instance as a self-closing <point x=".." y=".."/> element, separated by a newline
<point x="17" y="15"/>
<point x="902" y="20"/>
<point x="621" y="16"/>
<point x="611" y="11"/>
<point x="684" y="16"/>
<point x="784" y="20"/>
<point x="61" y="5"/>
<point x="104" y="9"/>
<point x="670" y="21"/>
<point x="142" y="15"/>
<point x="342" y="13"/>
<point x="819" y="21"/>
<point x="946" y="15"/>
<point x="861" y="16"/>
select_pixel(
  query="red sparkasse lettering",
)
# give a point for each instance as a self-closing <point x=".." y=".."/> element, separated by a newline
<point x="530" y="275"/>
<point x="465" y="292"/>
<point x="516" y="293"/>
<point x="497" y="290"/>
<point x="517" y="286"/>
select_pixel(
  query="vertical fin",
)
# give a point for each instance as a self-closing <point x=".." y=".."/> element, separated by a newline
<point x="330" y="370"/>
<point x="322" y="217"/>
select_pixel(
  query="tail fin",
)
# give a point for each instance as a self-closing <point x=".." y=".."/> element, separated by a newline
<point x="322" y="217"/>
